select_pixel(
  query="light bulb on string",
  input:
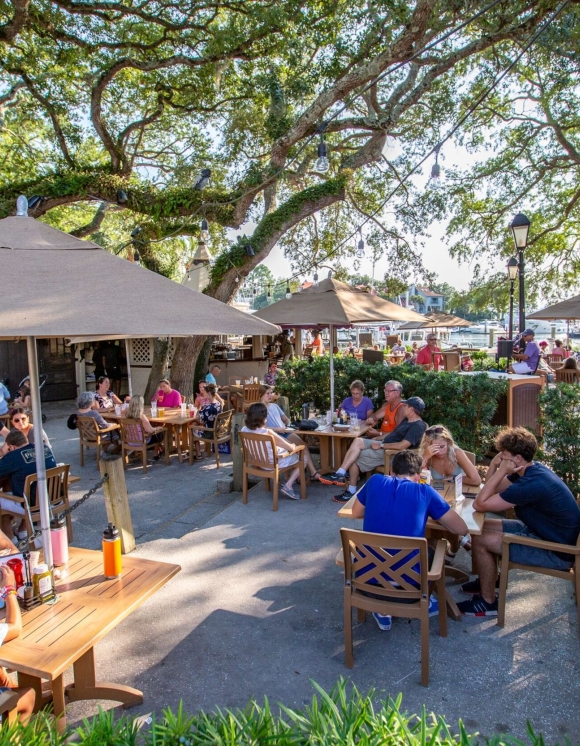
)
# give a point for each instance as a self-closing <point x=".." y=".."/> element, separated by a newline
<point x="360" y="248"/>
<point x="204" y="232"/>
<point x="315" y="278"/>
<point x="329" y="274"/>
<point x="435" y="180"/>
<point x="288" y="291"/>
<point x="269" y="292"/>
<point x="322" y="164"/>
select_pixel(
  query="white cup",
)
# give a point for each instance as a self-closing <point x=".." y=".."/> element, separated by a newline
<point x="117" y="409"/>
<point x="184" y="410"/>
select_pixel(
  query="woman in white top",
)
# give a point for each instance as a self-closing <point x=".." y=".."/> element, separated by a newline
<point x="256" y="423"/>
<point x="278" y="422"/>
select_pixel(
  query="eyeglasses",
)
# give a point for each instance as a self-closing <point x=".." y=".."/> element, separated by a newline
<point x="390" y="391"/>
<point x="431" y="339"/>
<point x="434" y="430"/>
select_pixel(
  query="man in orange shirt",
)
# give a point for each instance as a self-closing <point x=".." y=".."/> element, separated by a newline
<point x="391" y="412"/>
<point x="427" y="356"/>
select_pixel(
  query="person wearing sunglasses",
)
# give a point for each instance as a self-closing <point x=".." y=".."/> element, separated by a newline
<point x="391" y="412"/>
<point x="427" y="355"/>
<point x="19" y="420"/>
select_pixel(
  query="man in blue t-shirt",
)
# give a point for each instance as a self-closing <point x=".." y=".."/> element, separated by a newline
<point x="399" y="505"/>
<point x="545" y="509"/>
<point x="18" y="463"/>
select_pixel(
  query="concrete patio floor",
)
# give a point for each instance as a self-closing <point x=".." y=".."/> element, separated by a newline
<point x="257" y="610"/>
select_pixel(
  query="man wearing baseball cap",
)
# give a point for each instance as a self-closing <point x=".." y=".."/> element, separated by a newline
<point x="365" y="454"/>
<point x="528" y="359"/>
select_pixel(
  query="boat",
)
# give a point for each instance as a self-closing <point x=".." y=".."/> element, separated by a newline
<point x="483" y="327"/>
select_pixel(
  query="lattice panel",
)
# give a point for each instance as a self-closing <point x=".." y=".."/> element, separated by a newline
<point x="141" y="352"/>
<point x="170" y="354"/>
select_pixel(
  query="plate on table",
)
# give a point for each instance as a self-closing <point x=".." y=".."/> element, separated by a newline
<point x="341" y="428"/>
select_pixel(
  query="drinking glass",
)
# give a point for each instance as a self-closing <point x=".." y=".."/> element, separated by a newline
<point x="153" y="409"/>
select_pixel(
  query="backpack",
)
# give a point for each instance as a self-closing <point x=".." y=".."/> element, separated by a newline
<point x="71" y="423"/>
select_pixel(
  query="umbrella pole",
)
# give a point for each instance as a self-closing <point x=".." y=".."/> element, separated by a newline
<point x="129" y="382"/>
<point x="41" y="493"/>
<point x="330" y="329"/>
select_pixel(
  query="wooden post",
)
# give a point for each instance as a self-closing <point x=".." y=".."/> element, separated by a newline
<point x="237" y="424"/>
<point x="117" y="500"/>
<point x="284" y="403"/>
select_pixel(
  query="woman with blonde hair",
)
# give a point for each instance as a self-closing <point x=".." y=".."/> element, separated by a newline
<point x="446" y="460"/>
<point x="135" y="411"/>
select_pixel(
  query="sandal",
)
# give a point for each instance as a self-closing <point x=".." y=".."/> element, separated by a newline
<point x="315" y="477"/>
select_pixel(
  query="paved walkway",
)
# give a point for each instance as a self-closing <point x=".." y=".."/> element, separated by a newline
<point x="257" y="610"/>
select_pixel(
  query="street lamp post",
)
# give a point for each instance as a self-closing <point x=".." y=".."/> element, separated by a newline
<point x="512" y="270"/>
<point x="520" y="226"/>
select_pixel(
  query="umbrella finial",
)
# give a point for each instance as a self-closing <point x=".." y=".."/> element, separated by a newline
<point x="22" y="207"/>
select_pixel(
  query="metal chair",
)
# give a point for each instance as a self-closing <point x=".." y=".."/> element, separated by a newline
<point x="395" y="570"/>
<point x="260" y="459"/>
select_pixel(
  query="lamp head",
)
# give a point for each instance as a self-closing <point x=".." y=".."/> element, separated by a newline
<point x="512" y="268"/>
<point x="520" y="226"/>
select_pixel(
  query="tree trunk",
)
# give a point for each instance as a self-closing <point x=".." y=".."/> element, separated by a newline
<point x="202" y="364"/>
<point x="158" y="367"/>
<point x="187" y="351"/>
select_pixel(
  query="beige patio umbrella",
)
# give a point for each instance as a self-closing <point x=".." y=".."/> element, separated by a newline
<point x="565" y="309"/>
<point x="55" y="285"/>
<point x="437" y="320"/>
<point x="334" y="304"/>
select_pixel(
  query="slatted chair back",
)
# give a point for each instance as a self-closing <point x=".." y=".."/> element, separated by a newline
<point x="567" y="375"/>
<point x="555" y="360"/>
<point x="134" y="440"/>
<point x="250" y="395"/>
<point x="222" y="433"/>
<point x="90" y="436"/>
<point x="470" y="456"/>
<point x="87" y="428"/>
<point x="260" y="459"/>
<point x="57" y="490"/>
<point x="395" y="570"/>
<point x="133" y="432"/>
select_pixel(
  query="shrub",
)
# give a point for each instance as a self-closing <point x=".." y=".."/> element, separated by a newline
<point x="464" y="404"/>
<point x="560" y="422"/>
<point x="341" y="716"/>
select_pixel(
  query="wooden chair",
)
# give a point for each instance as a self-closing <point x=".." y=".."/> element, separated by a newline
<point x="555" y="361"/>
<point x="221" y="431"/>
<point x="134" y="440"/>
<point x="567" y="375"/>
<point x="573" y="574"/>
<point x="250" y="395"/>
<point x="91" y="437"/>
<point x="371" y="557"/>
<point x="57" y="490"/>
<point x="8" y="704"/>
<point x="260" y="459"/>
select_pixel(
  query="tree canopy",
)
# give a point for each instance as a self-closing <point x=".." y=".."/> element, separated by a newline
<point x="112" y="107"/>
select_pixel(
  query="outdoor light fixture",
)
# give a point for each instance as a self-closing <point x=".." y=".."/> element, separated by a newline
<point x="322" y="165"/>
<point x="288" y="292"/>
<point x="34" y="201"/>
<point x="22" y="207"/>
<point x="250" y="251"/>
<point x="360" y="248"/>
<point x="203" y="179"/>
<point x="122" y="197"/>
<point x="512" y="271"/>
<point x="204" y="232"/>
<point x="315" y="279"/>
<point x="136" y="231"/>
<point x="137" y="258"/>
<point x="520" y="227"/>
<point x="436" y="170"/>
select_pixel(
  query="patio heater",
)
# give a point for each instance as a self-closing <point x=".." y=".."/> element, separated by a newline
<point x="520" y="226"/>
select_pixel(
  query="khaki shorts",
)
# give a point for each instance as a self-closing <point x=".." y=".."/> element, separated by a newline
<point x="370" y="459"/>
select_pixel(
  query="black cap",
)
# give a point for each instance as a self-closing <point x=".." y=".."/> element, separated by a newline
<point x="416" y="402"/>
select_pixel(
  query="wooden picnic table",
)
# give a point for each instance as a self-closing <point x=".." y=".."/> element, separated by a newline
<point x="333" y="444"/>
<point x="173" y="418"/>
<point x="473" y="519"/>
<point x="63" y="634"/>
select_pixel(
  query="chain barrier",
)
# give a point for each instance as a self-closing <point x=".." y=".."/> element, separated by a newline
<point x="22" y="545"/>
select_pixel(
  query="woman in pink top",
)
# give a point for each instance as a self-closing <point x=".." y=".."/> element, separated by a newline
<point x="558" y="349"/>
<point x="166" y="396"/>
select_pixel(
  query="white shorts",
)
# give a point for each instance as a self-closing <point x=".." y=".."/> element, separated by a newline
<point x="522" y="368"/>
<point x="11" y="507"/>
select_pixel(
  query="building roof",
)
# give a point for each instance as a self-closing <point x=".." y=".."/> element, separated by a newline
<point x="428" y="293"/>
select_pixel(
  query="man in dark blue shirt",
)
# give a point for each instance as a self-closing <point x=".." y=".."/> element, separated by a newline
<point x="18" y="463"/>
<point x="545" y="509"/>
<point x="399" y="505"/>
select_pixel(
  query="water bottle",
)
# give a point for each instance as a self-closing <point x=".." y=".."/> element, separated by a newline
<point x="59" y="540"/>
<point x="111" y="552"/>
<point x="305" y="411"/>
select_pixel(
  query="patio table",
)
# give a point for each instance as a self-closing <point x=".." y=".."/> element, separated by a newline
<point x="56" y="636"/>
<point x="333" y="444"/>
<point x="177" y="423"/>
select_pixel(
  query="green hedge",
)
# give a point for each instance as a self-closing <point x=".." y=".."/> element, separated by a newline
<point x="464" y="404"/>
<point x="560" y="421"/>
<point x="343" y="716"/>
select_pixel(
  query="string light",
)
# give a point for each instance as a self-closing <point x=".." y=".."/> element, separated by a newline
<point x="122" y="197"/>
<point x="250" y="251"/>
<point x="315" y="278"/>
<point x="204" y="232"/>
<point x="203" y="179"/>
<point x="288" y="291"/>
<point x="322" y="164"/>
<point x="269" y="293"/>
<point x="436" y="169"/>
<point x="360" y="249"/>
